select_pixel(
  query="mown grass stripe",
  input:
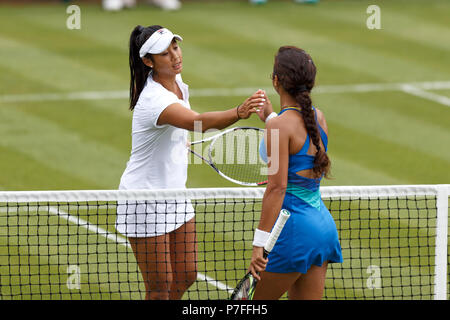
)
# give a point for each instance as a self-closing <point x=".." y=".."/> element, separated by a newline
<point x="15" y="84"/>
<point x="107" y="123"/>
<point x="71" y="45"/>
<point x="348" y="54"/>
<point x="397" y="160"/>
<point x="368" y="112"/>
<point x="53" y="69"/>
<point x="346" y="171"/>
<point x="20" y="171"/>
<point x="96" y="36"/>
<point x="61" y="149"/>
<point x="397" y="22"/>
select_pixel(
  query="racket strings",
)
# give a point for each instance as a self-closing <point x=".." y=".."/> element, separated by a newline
<point x="236" y="155"/>
<point x="245" y="290"/>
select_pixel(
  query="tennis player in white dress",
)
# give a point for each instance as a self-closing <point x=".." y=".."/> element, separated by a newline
<point x="162" y="234"/>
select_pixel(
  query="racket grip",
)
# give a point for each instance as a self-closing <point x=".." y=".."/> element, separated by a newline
<point x="279" y="224"/>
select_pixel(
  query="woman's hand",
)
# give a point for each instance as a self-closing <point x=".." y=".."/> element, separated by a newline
<point x="266" y="108"/>
<point x="258" y="263"/>
<point x="252" y="104"/>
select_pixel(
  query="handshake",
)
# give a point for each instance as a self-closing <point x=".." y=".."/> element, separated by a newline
<point x="257" y="103"/>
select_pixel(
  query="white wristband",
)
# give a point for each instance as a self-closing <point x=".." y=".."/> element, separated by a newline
<point x="260" y="238"/>
<point x="270" y="116"/>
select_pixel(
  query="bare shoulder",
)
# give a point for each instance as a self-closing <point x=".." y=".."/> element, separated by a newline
<point x="284" y="126"/>
<point x="322" y="121"/>
<point x="278" y="123"/>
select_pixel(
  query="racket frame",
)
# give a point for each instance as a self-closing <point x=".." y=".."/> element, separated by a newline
<point x="273" y="237"/>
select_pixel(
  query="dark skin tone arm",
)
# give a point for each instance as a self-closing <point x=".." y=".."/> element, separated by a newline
<point x="276" y="186"/>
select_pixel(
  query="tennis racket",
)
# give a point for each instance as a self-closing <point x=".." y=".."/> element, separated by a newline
<point x="234" y="154"/>
<point x="246" y="287"/>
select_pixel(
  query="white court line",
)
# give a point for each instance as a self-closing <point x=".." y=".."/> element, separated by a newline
<point x="90" y="227"/>
<point x="123" y="241"/>
<point x="413" y="90"/>
<point x="223" y="92"/>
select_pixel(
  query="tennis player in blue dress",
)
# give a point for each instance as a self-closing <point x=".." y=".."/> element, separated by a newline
<point x="295" y="148"/>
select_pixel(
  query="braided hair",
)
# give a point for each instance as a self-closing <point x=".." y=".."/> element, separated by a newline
<point x="296" y="73"/>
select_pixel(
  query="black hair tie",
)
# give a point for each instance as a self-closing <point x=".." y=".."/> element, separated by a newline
<point x="302" y="88"/>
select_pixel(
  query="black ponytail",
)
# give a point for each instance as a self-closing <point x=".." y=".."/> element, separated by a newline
<point x="138" y="70"/>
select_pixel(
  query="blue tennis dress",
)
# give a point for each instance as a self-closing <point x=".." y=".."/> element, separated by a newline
<point x="310" y="236"/>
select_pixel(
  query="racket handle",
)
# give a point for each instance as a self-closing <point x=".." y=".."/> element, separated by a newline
<point x="279" y="224"/>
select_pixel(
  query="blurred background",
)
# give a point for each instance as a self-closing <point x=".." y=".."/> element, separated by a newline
<point x="64" y="119"/>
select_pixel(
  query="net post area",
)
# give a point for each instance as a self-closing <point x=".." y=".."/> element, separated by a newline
<point x="442" y="206"/>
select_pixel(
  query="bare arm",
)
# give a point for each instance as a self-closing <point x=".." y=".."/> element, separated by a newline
<point x="278" y="172"/>
<point x="276" y="186"/>
<point x="181" y="117"/>
<point x="322" y="121"/>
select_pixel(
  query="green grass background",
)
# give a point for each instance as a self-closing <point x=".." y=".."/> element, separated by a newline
<point x="375" y="138"/>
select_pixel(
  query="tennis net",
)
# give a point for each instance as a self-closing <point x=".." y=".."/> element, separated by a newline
<point x="65" y="245"/>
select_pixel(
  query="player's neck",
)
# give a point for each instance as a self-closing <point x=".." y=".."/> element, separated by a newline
<point x="287" y="100"/>
<point x="168" y="82"/>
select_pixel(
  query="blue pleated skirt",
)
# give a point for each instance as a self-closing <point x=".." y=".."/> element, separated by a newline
<point x="309" y="238"/>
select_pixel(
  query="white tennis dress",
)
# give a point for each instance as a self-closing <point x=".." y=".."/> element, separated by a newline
<point x="158" y="161"/>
